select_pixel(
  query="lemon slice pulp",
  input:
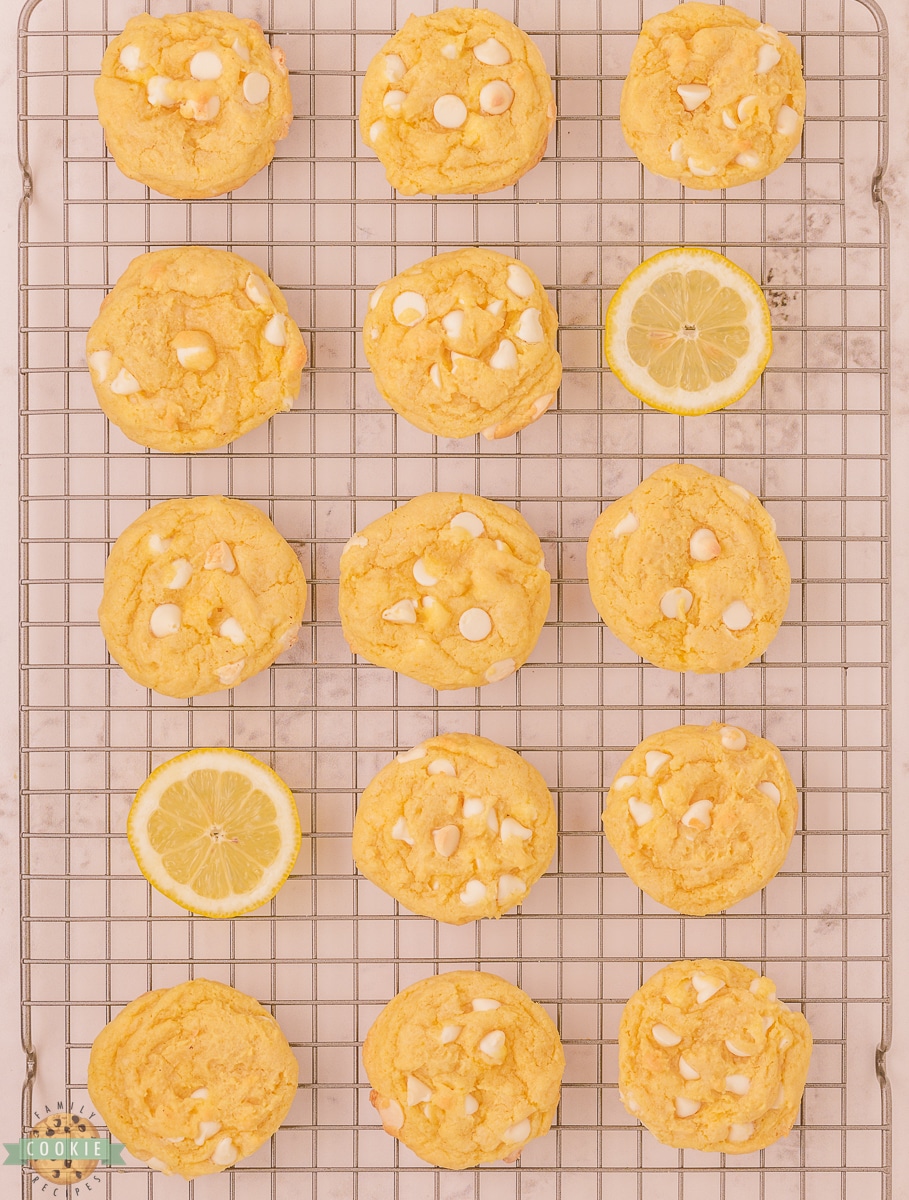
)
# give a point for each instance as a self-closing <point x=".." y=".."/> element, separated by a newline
<point x="688" y="331"/>
<point x="215" y="830"/>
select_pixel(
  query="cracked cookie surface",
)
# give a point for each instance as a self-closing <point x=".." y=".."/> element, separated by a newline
<point x="457" y="101"/>
<point x="200" y="594"/>
<point x="702" y="816"/>
<point x="713" y="98"/>
<point x="192" y="104"/>
<point x="464" y="343"/>
<point x="192" y="348"/>
<point x="449" y="589"/>
<point x="710" y="1059"/>
<point x="192" y="1078"/>
<point x="688" y="572"/>
<point x="457" y="828"/>
<point x="465" y="1069"/>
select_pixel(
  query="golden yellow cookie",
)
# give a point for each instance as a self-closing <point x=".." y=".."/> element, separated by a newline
<point x="449" y="589"/>
<point x="192" y="104"/>
<point x="709" y="1059"/>
<point x="701" y="816"/>
<point x="192" y="1078"/>
<point x="687" y="571"/>
<point x="192" y="348"/>
<point x="199" y="594"/>
<point x="713" y="98"/>
<point x="458" y="101"/>
<point x="465" y="1068"/>
<point x="464" y="343"/>
<point x="457" y="828"/>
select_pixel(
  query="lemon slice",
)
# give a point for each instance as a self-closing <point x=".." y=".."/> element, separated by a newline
<point x="216" y="831"/>
<point x="688" y="331"/>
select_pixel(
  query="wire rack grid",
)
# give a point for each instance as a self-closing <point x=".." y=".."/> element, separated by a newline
<point x="811" y="439"/>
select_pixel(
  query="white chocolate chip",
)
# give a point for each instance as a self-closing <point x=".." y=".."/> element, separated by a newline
<point x="676" y="603"/>
<point x="218" y="557"/>
<point x="492" y="1044"/>
<point x="233" y="630"/>
<point x="450" y="111"/>
<point x="225" y="1153"/>
<point x="755" y="984"/>
<point x="471" y="1104"/>
<point x="422" y="576"/>
<point x="769" y="31"/>
<point x="508" y="887"/>
<point x="706" y="986"/>
<point x="697" y="816"/>
<point x="402" y="613"/>
<point x="417" y="1091"/>
<point x="256" y="88"/>
<point x="165" y="620"/>
<point x="241" y="50"/>
<point x="787" y="121"/>
<point x="728" y="121"/>
<point x="733" y="1049"/>
<point x="474" y="892"/>
<point x="456" y="358"/>
<point x="737" y="616"/>
<point x="409" y="308"/>
<point x="780" y="1098"/>
<point x="441" y="766"/>
<point x="732" y="737"/>
<point x="519" y="281"/>
<point x="664" y="1036"/>
<point x="693" y="94"/>
<point x="274" y="331"/>
<point x="677" y="151"/>
<point x="625" y="781"/>
<point x="205" y="65"/>
<point x="376" y="296"/>
<point x="741" y="1133"/>
<point x="475" y="624"/>
<point x="654" y="761"/>
<point x="125" y="384"/>
<point x="641" y="812"/>
<point x="469" y="522"/>
<point x="157" y="1165"/>
<point x="356" y="540"/>
<point x="182" y="574"/>
<point x="492" y="821"/>
<point x="131" y="58"/>
<point x="450" y="1033"/>
<point x="195" y="349"/>
<point x="770" y="790"/>
<point x="100" y="363"/>
<point x="446" y="840"/>
<point x="199" y="1094"/>
<point x="450" y="50"/>
<point x="390" y="1111"/>
<point x="517" y="1133"/>
<point x="393" y="101"/>
<point x="739" y="1084"/>
<point x="514" y="829"/>
<point x="496" y="97"/>
<point x="686" y="1070"/>
<point x="158" y="92"/>
<point x="394" y="67"/>
<point x="785" y="1043"/>
<point x="495" y="307"/>
<point x="256" y="290"/>
<point x="492" y="53"/>
<point x="435" y="375"/>
<point x="701" y="172"/>
<point x="541" y="404"/>
<point x="400" y="831"/>
<point x="483" y="1005"/>
<point x="746" y="108"/>
<point x="748" y="159"/>
<point x="418" y="751"/>
<point x="201" y="109"/>
<point x="473" y="806"/>
<point x="766" y="1022"/>
<point x="500" y="670"/>
<point x="768" y="57"/>
<point x="375" y="130"/>
<point x="529" y="328"/>
<point x="505" y="357"/>
<point x="738" y="490"/>
<point x="453" y="323"/>
<point x="703" y="545"/>
<point x="230" y="672"/>
<point x="685" y="1107"/>
<point x="628" y="524"/>
<point x="207" y="1129"/>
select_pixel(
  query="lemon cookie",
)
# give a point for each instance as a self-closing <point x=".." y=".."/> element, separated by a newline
<point x="192" y="104"/>
<point x="709" y="1059"/>
<point x="192" y="1078"/>
<point x="465" y="1069"/>
<point x="702" y="816"/>
<point x="458" y="101"/>
<point x="464" y="343"/>
<point x="192" y="348"/>
<point x="687" y="571"/>
<point x="713" y="98"/>
<point x="199" y="594"/>
<point x="457" y="828"/>
<point x="448" y="589"/>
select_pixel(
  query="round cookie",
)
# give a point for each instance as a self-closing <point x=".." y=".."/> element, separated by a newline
<point x="713" y="98"/>
<point x="457" y="828"/>
<point x="702" y="816"/>
<point x="709" y="1059"/>
<point x="465" y="1069"/>
<point x="192" y="104"/>
<point x="449" y="589"/>
<point x="457" y="101"/>
<point x="192" y="348"/>
<point x="687" y="571"/>
<point x="200" y="594"/>
<point x="464" y="343"/>
<point x="192" y="1078"/>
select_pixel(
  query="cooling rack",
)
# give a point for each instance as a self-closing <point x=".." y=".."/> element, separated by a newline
<point x="811" y="439"/>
